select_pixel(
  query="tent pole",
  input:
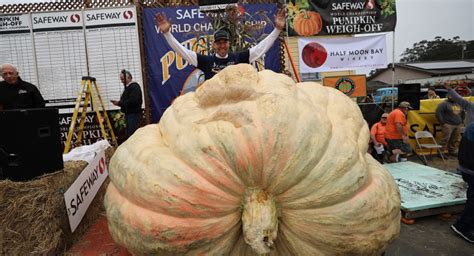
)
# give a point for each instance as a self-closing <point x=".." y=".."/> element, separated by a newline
<point x="393" y="67"/>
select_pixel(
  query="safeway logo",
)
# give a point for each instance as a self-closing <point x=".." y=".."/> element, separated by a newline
<point x="102" y="165"/>
<point x="128" y="14"/>
<point x="75" y="18"/>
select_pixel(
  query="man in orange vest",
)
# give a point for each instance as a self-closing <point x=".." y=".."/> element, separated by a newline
<point x="396" y="133"/>
<point x="377" y="134"/>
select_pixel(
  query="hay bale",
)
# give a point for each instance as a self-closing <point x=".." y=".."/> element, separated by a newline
<point x="33" y="215"/>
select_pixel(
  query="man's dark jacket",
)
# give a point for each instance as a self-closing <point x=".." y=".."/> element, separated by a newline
<point x="20" y="95"/>
<point x="131" y="99"/>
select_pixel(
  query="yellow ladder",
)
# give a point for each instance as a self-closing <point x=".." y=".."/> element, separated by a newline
<point x="91" y="91"/>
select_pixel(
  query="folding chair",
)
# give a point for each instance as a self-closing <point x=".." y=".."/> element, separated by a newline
<point x="422" y="136"/>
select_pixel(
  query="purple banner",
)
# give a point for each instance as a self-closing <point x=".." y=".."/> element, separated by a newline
<point x="168" y="75"/>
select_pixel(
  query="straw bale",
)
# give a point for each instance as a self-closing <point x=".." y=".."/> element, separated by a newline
<point x="33" y="215"/>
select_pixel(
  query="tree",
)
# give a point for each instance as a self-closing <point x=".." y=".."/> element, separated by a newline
<point x="439" y="49"/>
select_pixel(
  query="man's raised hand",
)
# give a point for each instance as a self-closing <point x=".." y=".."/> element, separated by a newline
<point x="280" y="19"/>
<point x="162" y="22"/>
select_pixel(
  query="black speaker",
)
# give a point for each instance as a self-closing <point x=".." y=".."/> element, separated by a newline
<point x="410" y="93"/>
<point x="30" y="143"/>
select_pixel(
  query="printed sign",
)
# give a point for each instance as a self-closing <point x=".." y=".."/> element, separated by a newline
<point x="81" y="193"/>
<point x="110" y="16"/>
<point x="340" y="17"/>
<point x="16" y="45"/>
<point x="60" y="51"/>
<point x="63" y="20"/>
<point x="91" y="132"/>
<point x="352" y="86"/>
<point x="14" y="23"/>
<point x="334" y="54"/>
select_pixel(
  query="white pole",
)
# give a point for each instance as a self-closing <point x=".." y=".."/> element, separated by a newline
<point x="33" y="47"/>
<point x="393" y="67"/>
<point x="85" y="41"/>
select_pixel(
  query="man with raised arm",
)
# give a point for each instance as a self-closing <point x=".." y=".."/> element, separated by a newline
<point x="212" y="64"/>
<point x="466" y="105"/>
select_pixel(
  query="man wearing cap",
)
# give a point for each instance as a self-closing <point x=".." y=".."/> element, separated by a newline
<point x="450" y="116"/>
<point x="212" y="64"/>
<point x="377" y="135"/>
<point x="396" y="133"/>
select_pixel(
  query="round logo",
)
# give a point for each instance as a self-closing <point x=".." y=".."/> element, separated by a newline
<point x="127" y="14"/>
<point x="314" y="55"/>
<point x="75" y="18"/>
<point x="345" y="85"/>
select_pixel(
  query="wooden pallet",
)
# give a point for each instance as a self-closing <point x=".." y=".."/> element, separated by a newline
<point x="427" y="191"/>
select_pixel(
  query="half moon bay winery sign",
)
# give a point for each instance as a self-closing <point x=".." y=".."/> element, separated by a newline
<point x="340" y="17"/>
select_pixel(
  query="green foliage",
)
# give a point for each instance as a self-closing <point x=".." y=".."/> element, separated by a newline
<point x="388" y="7"/>
<point x="119" y="120"/>
<point x="439" y="49"/>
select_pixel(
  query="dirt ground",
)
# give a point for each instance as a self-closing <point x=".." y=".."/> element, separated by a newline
<point x="430" y="236"/>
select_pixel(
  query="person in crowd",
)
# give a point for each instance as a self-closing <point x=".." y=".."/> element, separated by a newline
<point x="369" y="98"/>
<point x="466" y="105"/>
<point x="450" y="116"/>
<point x="16" y="93"/>
<point x="396" y="133"/>
<point x="130" y="102"/>
<point x="212" y="64"/>
<point x="377" y="135"/>
<point x="464" y="226"/>
<point x="431" y="94"/>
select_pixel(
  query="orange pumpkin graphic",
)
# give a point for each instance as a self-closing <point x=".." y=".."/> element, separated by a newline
<point x="307" y="23"/>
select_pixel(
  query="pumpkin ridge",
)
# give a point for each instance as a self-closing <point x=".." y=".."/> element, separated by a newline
<point x="206" y="211"/>
<point x="286" y="230"/>
<point x="297" y="166"/>
<point x="187" y="155"/>
<point x="145" y="196"/>
<point x="182" y="236"/>
<point x="332" y="219"/>
<point x="323" y="179"/>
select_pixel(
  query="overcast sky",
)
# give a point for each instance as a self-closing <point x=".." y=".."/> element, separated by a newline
<point x="425" y="19"/>
<point x="416" y="20"/>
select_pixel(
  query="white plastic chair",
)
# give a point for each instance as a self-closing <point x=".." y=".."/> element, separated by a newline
<point x="422" y="136"/>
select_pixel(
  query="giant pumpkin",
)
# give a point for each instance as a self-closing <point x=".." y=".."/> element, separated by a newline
<point x="251" y="164"/>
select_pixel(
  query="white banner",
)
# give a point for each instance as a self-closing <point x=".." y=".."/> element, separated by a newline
<point x="81" y="193"/>
<point x="15" y="22"/>
<point x="334" y="54"/>
<point x="55" y="20"/>
<point x="110" y="16"/>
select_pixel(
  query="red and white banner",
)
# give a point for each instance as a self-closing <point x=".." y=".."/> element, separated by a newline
<point x="80" y="194"/>
<point x="334" y="54"/>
